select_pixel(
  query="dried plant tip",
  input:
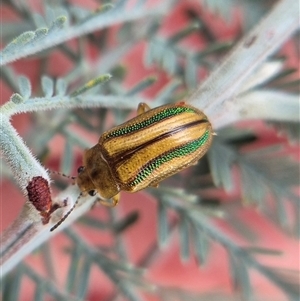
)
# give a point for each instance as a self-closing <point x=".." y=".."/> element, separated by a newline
<point x="92" y="83"/>
<point x="16" y="98"/>
<point x="58" y="23"/>
<point x="40" y="197"/>
<point x="104" y="8"/>
<point x="100" y="10"/>
<point x="248" y="42"/>
<point x="41" y="32"/>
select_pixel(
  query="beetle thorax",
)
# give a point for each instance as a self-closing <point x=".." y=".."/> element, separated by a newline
<point x="96" y="174"/>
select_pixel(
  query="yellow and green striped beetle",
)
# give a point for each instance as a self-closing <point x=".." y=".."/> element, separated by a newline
<point x="143" y="151"/>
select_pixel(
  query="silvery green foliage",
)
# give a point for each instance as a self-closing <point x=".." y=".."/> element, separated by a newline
<point x="255" y="10"/>
<point x="24" y="87"/>
<point x="67" y="159"/>
<point x="225" y="9"/>
<point x="168" y="54"/>
<point x="241" y="260"/>
<point x="47" y="86"/>
<point x="291" y="129"/>
<point x="60" y="87"/>
<point x="266" y="170"/>
<point x="25" y="44"/>
<point x="163" y="228"/>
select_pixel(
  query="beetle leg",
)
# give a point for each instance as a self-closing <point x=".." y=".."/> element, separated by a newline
<point x="116" y="199"/>
<point x="111" y="202"/>
<point x="142" y="108"/>
<point x="154" y="185"/>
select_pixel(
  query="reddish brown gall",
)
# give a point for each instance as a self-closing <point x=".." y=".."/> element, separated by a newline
<point x="39" y="196"/>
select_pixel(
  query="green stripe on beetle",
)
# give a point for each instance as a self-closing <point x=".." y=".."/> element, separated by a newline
<point x="182" y="151"/>
<point x="167" y="113"/>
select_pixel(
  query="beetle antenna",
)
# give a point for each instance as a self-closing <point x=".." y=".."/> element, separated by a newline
<point x="67" y="214"/>
<point x="61" y="174"/>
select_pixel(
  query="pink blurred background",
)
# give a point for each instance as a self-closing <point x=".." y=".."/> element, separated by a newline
<point x="166" y="267"/>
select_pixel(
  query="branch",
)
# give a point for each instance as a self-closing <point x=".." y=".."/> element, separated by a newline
<point x="68" y="102"/>
<point x="48" y="39"/>
<point x="19" y="158"/>
<point x="224" y="83"/>
<point x="260" y="104"/>
<point x="25" y="235"/>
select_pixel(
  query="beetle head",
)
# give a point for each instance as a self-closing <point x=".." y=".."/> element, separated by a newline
<point x="95" y="175"/>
